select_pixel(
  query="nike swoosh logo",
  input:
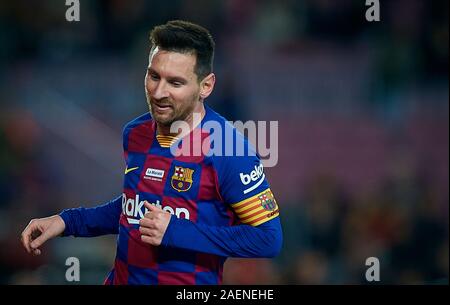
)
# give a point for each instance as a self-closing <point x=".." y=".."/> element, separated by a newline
<point x="127" y="170"/>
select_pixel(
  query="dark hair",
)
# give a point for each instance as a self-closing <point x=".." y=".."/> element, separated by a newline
<point x="186" y="37"/>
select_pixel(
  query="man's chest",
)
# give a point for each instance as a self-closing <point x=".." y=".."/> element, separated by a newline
<point x="164" y="176"/>
<point x="175" y="186"/>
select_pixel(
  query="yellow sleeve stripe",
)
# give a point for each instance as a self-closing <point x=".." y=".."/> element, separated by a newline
<point x="252" y="210"/>
<point x="254" y="203"/>
<point x="241" y="203"/>
<point x="262" y="219"/>
<point x="257" y="209"/>
<point x="252" y="215"/>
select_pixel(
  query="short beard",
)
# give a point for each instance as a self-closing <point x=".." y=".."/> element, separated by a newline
<point x="163" y="123"/>
<point x="180" y="117"/>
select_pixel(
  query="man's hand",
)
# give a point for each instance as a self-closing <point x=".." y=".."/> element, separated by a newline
<point x="39" y="231"/>
<point x="153" y="225"/>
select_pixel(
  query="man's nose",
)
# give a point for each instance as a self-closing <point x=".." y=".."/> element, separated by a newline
<point x="159" y="90"/>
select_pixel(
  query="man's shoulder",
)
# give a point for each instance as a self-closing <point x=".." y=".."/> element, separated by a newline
<point x="143" y="119"/>
<point x="138" y="133"/>
<point x="227" y="128"/>
<point x="235" y="149"/>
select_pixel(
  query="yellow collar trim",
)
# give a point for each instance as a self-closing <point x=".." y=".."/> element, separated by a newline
<point x="166" y="141"/>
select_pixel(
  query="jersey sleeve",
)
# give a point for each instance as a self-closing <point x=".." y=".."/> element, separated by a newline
<point x="95" y="221"/>
<point x="264" y="240"/>
<point x="244" y="187"/>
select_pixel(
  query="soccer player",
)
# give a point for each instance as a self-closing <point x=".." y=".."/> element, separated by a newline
<point x="180" y="215"/>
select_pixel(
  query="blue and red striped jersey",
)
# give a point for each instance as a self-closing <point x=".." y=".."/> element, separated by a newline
<point x="220" y="201"/>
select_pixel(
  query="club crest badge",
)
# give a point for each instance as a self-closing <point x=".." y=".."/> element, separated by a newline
<point x="267" y="201"/>
<point x="182" y="178"/>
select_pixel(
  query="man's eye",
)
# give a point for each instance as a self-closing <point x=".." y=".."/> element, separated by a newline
<point x="154" y="77"/>
<point x="176" y="84"/>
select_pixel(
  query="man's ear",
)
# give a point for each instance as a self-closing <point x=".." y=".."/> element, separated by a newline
<point x="207" y="85"/>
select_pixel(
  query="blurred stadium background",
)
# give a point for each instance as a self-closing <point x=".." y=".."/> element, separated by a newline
<point x="363" y="128"/>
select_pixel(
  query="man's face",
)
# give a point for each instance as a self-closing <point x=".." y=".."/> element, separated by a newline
<point x="171" y="86"/>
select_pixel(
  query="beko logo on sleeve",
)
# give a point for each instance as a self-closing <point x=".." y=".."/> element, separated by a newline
<point x="255" y="175"/>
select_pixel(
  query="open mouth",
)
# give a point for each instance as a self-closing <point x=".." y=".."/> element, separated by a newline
<point x="161" y="108"/>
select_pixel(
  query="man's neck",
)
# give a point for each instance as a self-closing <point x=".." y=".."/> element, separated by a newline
<point x="193" y="120"/>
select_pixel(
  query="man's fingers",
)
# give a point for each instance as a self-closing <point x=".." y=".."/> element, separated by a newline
<point x="152" y="207"/>
<point x="26" y="236"/>
<point x="148" y="205"/>
<point x="145" y="222"/>
<point x="146" y="231"/>
<point x="25" y="240"/>
<point x="149" y="240"/>
<point x="40" y="240"/>
<point x="149" y="216"/>
<point x="38" y="231"/>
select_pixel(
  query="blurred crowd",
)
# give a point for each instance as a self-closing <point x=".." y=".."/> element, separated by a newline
<point x="363" y="128"/>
